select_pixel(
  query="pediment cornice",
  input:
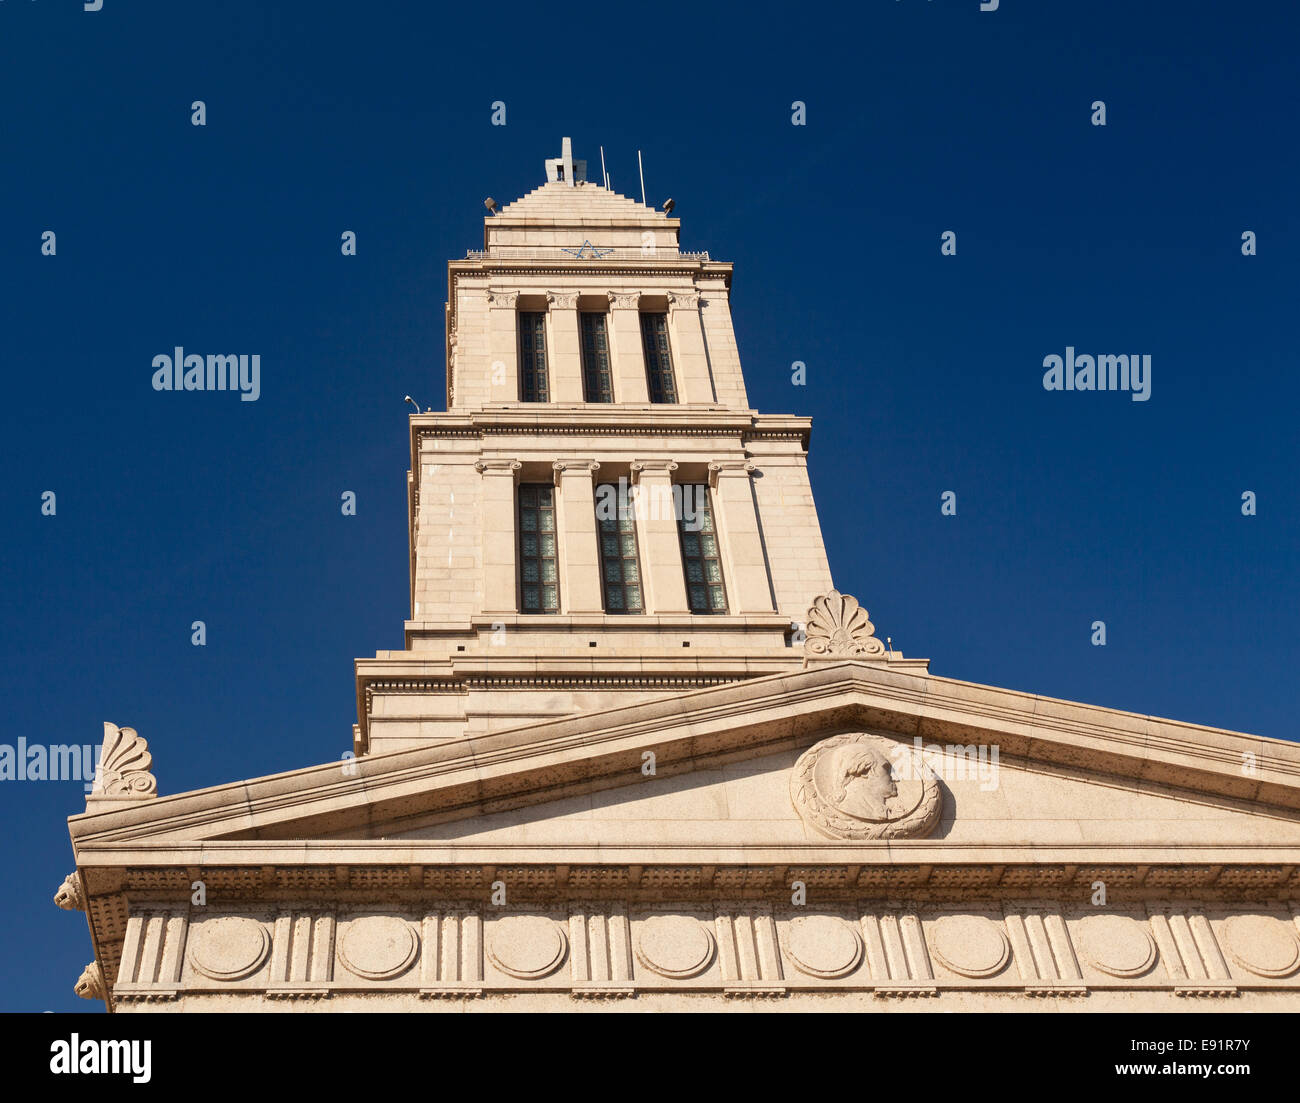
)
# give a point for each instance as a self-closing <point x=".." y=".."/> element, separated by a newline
<point x="544" y="760"/>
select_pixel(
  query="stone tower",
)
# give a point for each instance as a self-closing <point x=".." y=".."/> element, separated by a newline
<point x="637" y="752"/>
<point x="592" y="367"/>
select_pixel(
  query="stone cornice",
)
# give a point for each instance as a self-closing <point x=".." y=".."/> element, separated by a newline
<point x="714" y="623"/>
<point x="917" y="854"/>
<point x="614" y="421"/>
<point x="911" y="869"/>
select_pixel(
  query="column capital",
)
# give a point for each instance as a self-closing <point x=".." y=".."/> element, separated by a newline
<point x="506" y="299"/>
<point x="563" y="468"/>
<point x="683" y="300"/>
<point x="652" y="467"/>
<point x="563" y="300"/>
<point x="624" y="300"/>
<point x="718" y="470"/>
<point x="498" y="467"/>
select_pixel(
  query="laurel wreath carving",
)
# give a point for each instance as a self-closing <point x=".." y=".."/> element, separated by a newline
<point x="823" y="816"/>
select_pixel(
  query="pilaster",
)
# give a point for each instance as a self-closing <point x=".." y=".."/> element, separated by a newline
<point x="564" y="354"/>
<point x="580" y="590"/>
<point x="503" y="346"/>
<point x="656" y="522"/>
<point x="499" y="587"/>
<point x="626" y="352"/>
<point x="690" y="360"/>
<point x="740" y="537"/>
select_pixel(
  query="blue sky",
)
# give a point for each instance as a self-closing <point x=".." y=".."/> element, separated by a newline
<point x="924" y="372"/>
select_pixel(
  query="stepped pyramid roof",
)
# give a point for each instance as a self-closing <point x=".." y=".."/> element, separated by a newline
<point x="556" y="201"/>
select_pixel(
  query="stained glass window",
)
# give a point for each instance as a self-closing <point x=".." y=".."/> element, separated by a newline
<point x="705" y="592"/>
<point x="532" y="358"/>
<point x="620" y="569"/>
<point x="596" y="383"/>
<point x="539" y="579"/>
<point x="658" y="360"/>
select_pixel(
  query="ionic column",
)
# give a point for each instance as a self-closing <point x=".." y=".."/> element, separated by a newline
<point x="690" y="360"/>
<point x="497" y="503"/>
<point x="503" y="347"/>
<point x="656" y="525"/>
<point x="627" y="355"/>
<point x="580" y="590"/>
<point x="736" y="519"/>
<point x="564" y="357"/>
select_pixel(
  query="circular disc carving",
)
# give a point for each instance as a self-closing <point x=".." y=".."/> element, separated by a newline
<point x="863" y="786"/>
<point x="378" y="947"/>
<point x="527" y="946"/>
<point x="1263" y="944"/>
<point x="970" y="945"/>
<point x="674" y="945"/>
<point x="1117" y="945"/>
<point x="824" y="946"/>
<point x="228" y="948"/>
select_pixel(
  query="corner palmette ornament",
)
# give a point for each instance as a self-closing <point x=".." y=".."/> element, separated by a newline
<point x="862" y="786"/>
<point x="124" y="766"/>
<point x="838" y="628"/>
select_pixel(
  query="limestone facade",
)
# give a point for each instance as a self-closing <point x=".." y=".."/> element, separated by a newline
<point x="666" y="804"/>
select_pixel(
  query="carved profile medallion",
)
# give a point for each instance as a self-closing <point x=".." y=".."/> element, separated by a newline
<point x="862" y="786"/>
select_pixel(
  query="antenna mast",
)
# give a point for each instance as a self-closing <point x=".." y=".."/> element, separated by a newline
<point x="603" y="173"/>
<point x="641" y="169"/>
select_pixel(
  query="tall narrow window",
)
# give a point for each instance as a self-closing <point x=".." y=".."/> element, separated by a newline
<point x="658" y="360"/>
<point x="539" y="579"/>
<point x="620" y="570"/>
<point x="700" y="559"/>
<point x="596" y="384"/>
<point x="532" y="358"/>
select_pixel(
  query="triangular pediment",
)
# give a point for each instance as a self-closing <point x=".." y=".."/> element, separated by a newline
<point x="1088" y="771"/>
<point x="749" y="801"/>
